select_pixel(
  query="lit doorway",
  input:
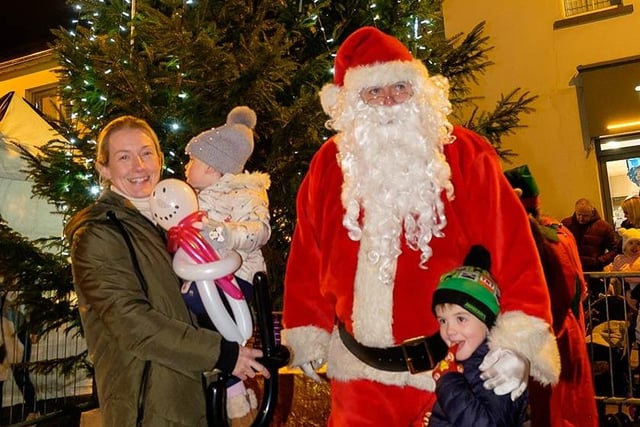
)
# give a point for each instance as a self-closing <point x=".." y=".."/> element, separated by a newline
<point x="619" y="170"/>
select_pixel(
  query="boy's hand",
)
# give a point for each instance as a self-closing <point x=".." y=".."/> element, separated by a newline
<point x="448" y="364"/>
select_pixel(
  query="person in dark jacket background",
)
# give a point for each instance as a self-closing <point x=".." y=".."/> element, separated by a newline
<point x="595" y="237"/>
<point x="466" y="305"/>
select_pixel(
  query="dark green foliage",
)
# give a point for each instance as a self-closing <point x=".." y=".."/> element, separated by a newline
<point x="42" y="277"/>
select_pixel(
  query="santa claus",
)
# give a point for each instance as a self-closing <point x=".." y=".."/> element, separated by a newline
<point x="390" y="203"/>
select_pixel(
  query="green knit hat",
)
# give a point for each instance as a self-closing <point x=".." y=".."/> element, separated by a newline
<point x="473" y="289"/>
<point x="521" y="179"/>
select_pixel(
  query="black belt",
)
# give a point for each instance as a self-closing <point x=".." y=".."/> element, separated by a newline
<point x="414" y="355"/>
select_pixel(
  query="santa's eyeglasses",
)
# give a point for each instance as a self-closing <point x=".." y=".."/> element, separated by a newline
<point x="395" y="93"/>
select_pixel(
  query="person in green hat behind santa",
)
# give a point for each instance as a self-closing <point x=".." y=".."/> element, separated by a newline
<point x="570" y="402"/>
<point x="466" y="304"/>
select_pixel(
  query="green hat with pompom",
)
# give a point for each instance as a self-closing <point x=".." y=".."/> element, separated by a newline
<point x="472" y="288"/>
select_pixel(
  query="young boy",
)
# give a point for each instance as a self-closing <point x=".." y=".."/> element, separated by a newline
<point x="237" y="209"/>
<point x="466" y="306"/>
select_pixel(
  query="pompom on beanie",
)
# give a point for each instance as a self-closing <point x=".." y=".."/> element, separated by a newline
<point x="228" y="147"/>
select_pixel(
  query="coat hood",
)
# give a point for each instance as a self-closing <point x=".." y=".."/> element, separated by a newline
<point x="107" y="201"/>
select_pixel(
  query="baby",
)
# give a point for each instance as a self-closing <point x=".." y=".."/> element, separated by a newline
<point x="627" y="261"/>
<point x="237" y="207"/>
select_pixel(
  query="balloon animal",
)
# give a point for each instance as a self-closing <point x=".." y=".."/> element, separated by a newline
<point x="174" y="205"/>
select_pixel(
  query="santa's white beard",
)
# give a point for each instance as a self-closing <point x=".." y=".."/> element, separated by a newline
<point x="395" y="172"/>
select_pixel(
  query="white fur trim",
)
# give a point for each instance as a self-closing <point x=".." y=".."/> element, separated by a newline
<point x="306" y="343"/>
<point x="329" y="97"/>
<point x="372" y="302"/>
<point x="344" y="366"/>
<point x="253" y="399"/>
<point x="532" y="338"/>
<point x="385" y="73"/>
<point x="238" y="406"/>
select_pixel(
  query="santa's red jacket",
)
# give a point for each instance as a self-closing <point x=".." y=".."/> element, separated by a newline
<point x="323" y="263"/>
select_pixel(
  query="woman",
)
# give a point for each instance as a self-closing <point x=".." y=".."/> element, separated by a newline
<point x="631" y="209"/>
<point x="148" y="354"/>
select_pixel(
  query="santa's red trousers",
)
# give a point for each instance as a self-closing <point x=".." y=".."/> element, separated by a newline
<point x="369" y="403"/>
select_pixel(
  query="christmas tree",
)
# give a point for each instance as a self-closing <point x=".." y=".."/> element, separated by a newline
<point x="183" y="64"/>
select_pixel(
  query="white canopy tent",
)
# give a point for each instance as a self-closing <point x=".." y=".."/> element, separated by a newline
<point x="21" y="123"/>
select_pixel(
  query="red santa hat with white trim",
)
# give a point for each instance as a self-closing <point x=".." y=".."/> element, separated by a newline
<point x="369" y="57"/>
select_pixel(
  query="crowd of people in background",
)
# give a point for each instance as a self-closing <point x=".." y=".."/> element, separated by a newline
<point x="612" y="299"/>
<point x="598" y="241"/>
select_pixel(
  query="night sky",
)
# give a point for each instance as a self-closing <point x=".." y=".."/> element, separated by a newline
<point x="25" y="25"/>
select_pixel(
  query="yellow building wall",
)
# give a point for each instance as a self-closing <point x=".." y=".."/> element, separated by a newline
<point x="27" y="215"/>
<point x="21" y="84"/>
<point x="528" y="53"/>
<point x="28" y="72"/>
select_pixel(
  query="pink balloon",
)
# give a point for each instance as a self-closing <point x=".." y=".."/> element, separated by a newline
<point x="188" y="238"/>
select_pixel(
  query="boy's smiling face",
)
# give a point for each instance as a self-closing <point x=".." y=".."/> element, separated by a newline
<point x="457" y="325"/>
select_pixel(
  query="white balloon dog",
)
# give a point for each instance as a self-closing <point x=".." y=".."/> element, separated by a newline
<point x="174" y="206"/>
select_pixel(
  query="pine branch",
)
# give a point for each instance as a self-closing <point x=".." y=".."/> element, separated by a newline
<point x="63" y="366"/>
<point x="503" y="120"/>
<point x="41" y="278"/>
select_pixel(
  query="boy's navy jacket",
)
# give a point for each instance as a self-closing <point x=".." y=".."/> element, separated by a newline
<point x="463" y="401"/>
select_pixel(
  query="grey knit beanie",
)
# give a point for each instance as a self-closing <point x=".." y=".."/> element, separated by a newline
<point x="226" y="148"/>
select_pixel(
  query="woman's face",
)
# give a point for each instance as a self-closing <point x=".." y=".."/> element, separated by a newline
<point x="134" y="166"/>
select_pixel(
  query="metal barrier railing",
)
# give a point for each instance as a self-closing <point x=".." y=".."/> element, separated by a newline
<point x="610" y="316"/>
<point x="31" y="394"/>
<point x="611" y="310"/>
<point x="33" y="397"/>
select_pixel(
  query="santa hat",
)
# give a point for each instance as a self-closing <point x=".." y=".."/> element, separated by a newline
<point x="471" y="287"/>
<point x="369" y="57"/>
<point x="628" y="234"/>
<point x="227" y="147"/>
<point x="525" y="186"/>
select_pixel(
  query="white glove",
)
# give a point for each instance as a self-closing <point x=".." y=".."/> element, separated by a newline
<point x="504" y="371"/>
<point x="309" y="369"/>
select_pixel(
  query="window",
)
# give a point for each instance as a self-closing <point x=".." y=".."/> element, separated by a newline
<point x="45" y="98"/>
<point x="619" y="171"/>
<point x="576" y="7"/>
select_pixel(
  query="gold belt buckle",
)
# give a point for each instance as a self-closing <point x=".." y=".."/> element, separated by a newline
<point x="417" y="354"/>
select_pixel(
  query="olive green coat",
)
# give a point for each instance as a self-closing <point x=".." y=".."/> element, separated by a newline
<point x="124" y="327"/>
